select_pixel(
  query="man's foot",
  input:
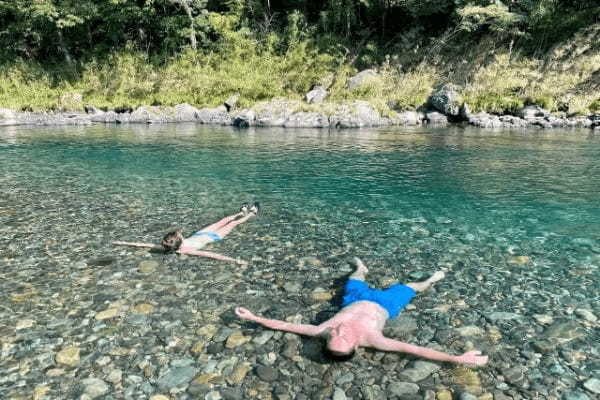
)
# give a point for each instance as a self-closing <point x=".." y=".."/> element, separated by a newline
<point x="437" y="276"/>
<point x="255" y="208"/>
<point x="244" y="209"/>
<point x="360" y="266"/>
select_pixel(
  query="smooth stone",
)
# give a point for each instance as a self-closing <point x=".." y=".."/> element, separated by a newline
<point x="513" y="375"/>
<point x="443" y="395"/>
<point x="176" y="377"/>
<point x="198" y="348"/>
<point x="239" y="374"/>
<point x="143" y="309"/>
<point x="24" y="324"/>
<point x="95" y="387"/>
<point x="263" y="337"/>
<point x="519" y="260"/>
<point x="107" y="314"/>
<point x="586" y="314"/>
<point x="321" y="296"/>
<point x="469" y="331"/>
<point x="593" y="385"/>
<point x="543" y="319"/>
<point x="564" y="331"/>
<point x="502" y="316"/>
<point x="402" y="388"/>
<point x="467" y="396"/>
<point x="266" y="373"/>
<point x="236" y="339"/>
<point x="419" y="371"/>
<point x="214" y="395"/>
<point x="346" y="378"/>
<point x="159" y="397"/>
<point x="339" y="394"/>
<point x="68" y="356"/>
<point x="40" y="391"/>
<point x="148" y="266"/>
<point x="575" y="395"/>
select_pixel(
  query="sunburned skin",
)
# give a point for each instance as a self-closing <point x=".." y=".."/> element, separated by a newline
<point x="361" y="324"/>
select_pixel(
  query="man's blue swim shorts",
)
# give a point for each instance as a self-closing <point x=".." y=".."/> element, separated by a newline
<point x="393" y="299"/>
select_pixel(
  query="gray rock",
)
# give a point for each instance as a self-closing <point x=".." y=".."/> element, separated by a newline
<point x="176" y="377"/>
<point x="362" y="78"/>
<point x="306" y="120"/>
<point x="244" y="119"/>
<point x="502" y="316"/>
<point x="575" y="395"/>
<point x="339" y="394"/>
<point x="355" y="115"/>
<point x="446" y="100"/>
<point x="531" y="111"/>
<point x="435" y="118"/>
<point x="467" y="396"/>
<point x="564" y="331"/>
<point x="317" y="95"/>
<point x="231" y="102"/>
<point x="402" y="388"/>
<point x="419" y="371"/>
<point x="7" y="117"/>
<point x="94" y="387"/>
<point x="266" y="373"/>
<point x="217" y="116"/>
<point x="408" y="118"/>
<point x="514" y="375"/>
<point x="345" y="378"/>
<point x="593" y="385"/>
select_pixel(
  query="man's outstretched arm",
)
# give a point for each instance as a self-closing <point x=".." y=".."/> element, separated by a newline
<point x="210" y="254"/>
<point x="471" y="357"/>
<point x="301" y="329"/>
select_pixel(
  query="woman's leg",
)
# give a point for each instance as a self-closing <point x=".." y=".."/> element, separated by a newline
<point x="217" y="225"/>
<point x="420" y="286"/>
<point x="224" y="230"/>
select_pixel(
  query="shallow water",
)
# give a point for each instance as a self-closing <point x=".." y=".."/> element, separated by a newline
<point x="513" y="216"/>
<point x="379" y="190"/>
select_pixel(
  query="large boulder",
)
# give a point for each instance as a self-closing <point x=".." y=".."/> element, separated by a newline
<point x="7" y="117"/>
<point x="446" y="100"/>
<point x="532" y="111"/>
<point x="275" y="112"/>
<point x="231" y="103"/>
<point x="435" y="118"/>
<point x="362" y="78"/>
<point x="307" y="120"/>
<point x="317" y="95"/>
<point x="358" y="114"/>
<point x="218" y="116"/>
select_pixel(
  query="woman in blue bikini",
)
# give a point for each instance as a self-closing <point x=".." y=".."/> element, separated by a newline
<point x="174" y="242"/>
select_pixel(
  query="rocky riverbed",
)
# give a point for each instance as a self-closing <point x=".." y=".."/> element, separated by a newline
<point x="82" y="320"/>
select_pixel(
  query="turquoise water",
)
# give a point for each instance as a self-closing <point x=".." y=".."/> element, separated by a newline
<point x="418" y="196"/>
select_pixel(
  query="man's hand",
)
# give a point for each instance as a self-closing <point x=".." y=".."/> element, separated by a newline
<point x="473" y="357"/>
<point x="245" y="313"/>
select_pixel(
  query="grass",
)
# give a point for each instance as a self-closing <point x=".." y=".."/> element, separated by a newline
<point x="492" y="78"/>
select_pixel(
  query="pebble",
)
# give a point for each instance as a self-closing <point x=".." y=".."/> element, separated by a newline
<point x="95" y="387"/>
<point x="593" y="385"/>
<point x="148" y="266"/>
<point x="267" y="373"/>
<point x="68" y="356"/>
<point x="402" y="388"/>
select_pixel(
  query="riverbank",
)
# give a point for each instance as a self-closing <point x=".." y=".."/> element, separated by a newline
<point x="296" y="114"/>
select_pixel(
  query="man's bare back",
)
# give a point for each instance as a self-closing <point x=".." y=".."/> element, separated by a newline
<point x="360" y="324"/>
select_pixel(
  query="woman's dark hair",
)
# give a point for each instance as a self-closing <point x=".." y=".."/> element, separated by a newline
<point x="172" y="241"/>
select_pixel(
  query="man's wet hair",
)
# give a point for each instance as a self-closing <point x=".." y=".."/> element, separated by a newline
<point x="329" y="356"/>
<point x="172" y="241"/>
